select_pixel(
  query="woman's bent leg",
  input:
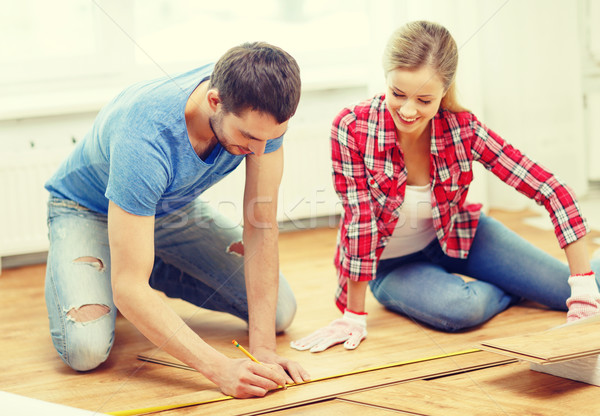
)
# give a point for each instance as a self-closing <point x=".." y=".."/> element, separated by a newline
<point x="503" y="258"/>
<point x="428" y="293"/>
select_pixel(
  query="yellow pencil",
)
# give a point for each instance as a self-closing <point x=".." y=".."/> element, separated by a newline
<point x="234" y="342"/>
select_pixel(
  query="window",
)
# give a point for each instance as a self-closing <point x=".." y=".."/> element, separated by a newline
<point x="77" y="44"/>
<point x="45" y="41"/>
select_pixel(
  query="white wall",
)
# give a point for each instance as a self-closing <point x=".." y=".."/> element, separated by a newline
<point x="589" y="15"/>
<point x="531" y="73"/>
<point x="519" y="71"/>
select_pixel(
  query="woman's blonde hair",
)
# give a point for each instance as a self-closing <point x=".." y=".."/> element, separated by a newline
<point x="421" y="43"/>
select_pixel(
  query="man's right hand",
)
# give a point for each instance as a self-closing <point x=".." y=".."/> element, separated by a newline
<point x="242" y="378"/>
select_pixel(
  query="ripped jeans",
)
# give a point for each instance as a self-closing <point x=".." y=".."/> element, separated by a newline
<point x="196" y="259"/>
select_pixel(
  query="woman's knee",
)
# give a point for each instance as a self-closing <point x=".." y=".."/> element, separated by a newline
<point x="454" y="312"/>
<point x="460" y="318"/>
<point x="470" y="307"/>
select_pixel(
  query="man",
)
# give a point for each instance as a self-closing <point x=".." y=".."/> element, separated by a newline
<point x="124" y="219"/>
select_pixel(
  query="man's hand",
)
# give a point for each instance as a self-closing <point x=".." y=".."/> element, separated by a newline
<point x="243" y="378"/>
<point x="292" y="371"/>
<point x="351" y="329"/>
<point x="585" y="298"/>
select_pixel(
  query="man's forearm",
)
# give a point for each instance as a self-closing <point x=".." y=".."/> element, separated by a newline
<point x="163" y="327"/>
<point x="261" y="263"/>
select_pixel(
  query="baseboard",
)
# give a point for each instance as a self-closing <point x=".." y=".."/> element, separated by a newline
<point x="19" y="260"/>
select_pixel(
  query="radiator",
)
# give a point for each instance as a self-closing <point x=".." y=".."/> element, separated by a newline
<point x="23" y="206"/>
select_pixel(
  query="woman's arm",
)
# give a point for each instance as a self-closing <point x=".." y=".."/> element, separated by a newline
<point x="578" y="257"/>
<point x="356" y="296"/>
<point x="532" y="180"/>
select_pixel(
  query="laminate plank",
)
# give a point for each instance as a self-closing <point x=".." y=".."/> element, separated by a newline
<point x="577" y="340"/>
<point x="531" y="390"/>
<point x="335" y="407"/>
<point x="496" y="391"/>
<point x="434" y="398"/>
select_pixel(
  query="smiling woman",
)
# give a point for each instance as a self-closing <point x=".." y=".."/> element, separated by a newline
<point x="414" y="147"/>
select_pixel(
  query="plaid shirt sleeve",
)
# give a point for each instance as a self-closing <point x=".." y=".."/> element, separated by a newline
<point x="358" y="235"/>
<point x="530" y="179"/>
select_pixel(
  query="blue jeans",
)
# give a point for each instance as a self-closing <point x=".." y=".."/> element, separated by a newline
<point x="192" y="262"/>
<point x="425" y="285"/>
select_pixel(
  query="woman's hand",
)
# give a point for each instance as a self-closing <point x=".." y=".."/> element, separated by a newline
<point x="351" y="329"/>
<point x="585" y="298"/>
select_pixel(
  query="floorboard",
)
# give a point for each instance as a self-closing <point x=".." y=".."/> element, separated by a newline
<point x="479" y="393"/>
<point x="576" y="340"/>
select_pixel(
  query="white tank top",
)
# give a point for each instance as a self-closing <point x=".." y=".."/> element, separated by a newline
<point x="414" y="230"/>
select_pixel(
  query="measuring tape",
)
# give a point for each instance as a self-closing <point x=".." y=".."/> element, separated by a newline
<point x="145" y="410"/>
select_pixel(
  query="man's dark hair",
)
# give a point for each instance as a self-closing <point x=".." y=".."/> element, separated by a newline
<point x="258" y="76"/>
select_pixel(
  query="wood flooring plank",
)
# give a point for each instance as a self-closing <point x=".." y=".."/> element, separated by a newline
<point x="530" y="391"/>
<point x="430" y="398"/>
<point x="434" y="398"/>
<point x="577" y="340"/>
<point x="334" y="408"/>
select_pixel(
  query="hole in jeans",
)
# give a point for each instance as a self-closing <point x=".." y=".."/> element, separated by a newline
<point x="236" y="248"/>
<point x="92" y="261"/>
<point x="87" y="313"/>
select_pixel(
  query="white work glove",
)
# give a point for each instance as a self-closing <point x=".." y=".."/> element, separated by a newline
<point x="350" y="329"/>
<point x="585" y="298"/>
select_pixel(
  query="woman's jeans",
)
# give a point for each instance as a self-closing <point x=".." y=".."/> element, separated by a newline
<point x="194" y="261"/>
<point x="424" y="285"/>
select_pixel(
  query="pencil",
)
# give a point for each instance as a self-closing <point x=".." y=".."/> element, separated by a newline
<point x="234" y="342"/>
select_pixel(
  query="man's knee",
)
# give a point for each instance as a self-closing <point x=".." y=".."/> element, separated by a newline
<point x="90" y="337"/>
<point x="286" y="311"/>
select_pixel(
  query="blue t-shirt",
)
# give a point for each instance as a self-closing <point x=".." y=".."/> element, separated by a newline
<point x="138" y="153"/>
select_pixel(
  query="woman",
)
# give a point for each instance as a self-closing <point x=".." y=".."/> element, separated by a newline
<point x="402" y="166"/>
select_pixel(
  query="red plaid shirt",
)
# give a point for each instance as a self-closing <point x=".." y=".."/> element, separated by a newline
<point x="370" y="178"/>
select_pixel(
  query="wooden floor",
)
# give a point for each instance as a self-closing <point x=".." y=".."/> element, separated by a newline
<point x="430" y="381"/>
